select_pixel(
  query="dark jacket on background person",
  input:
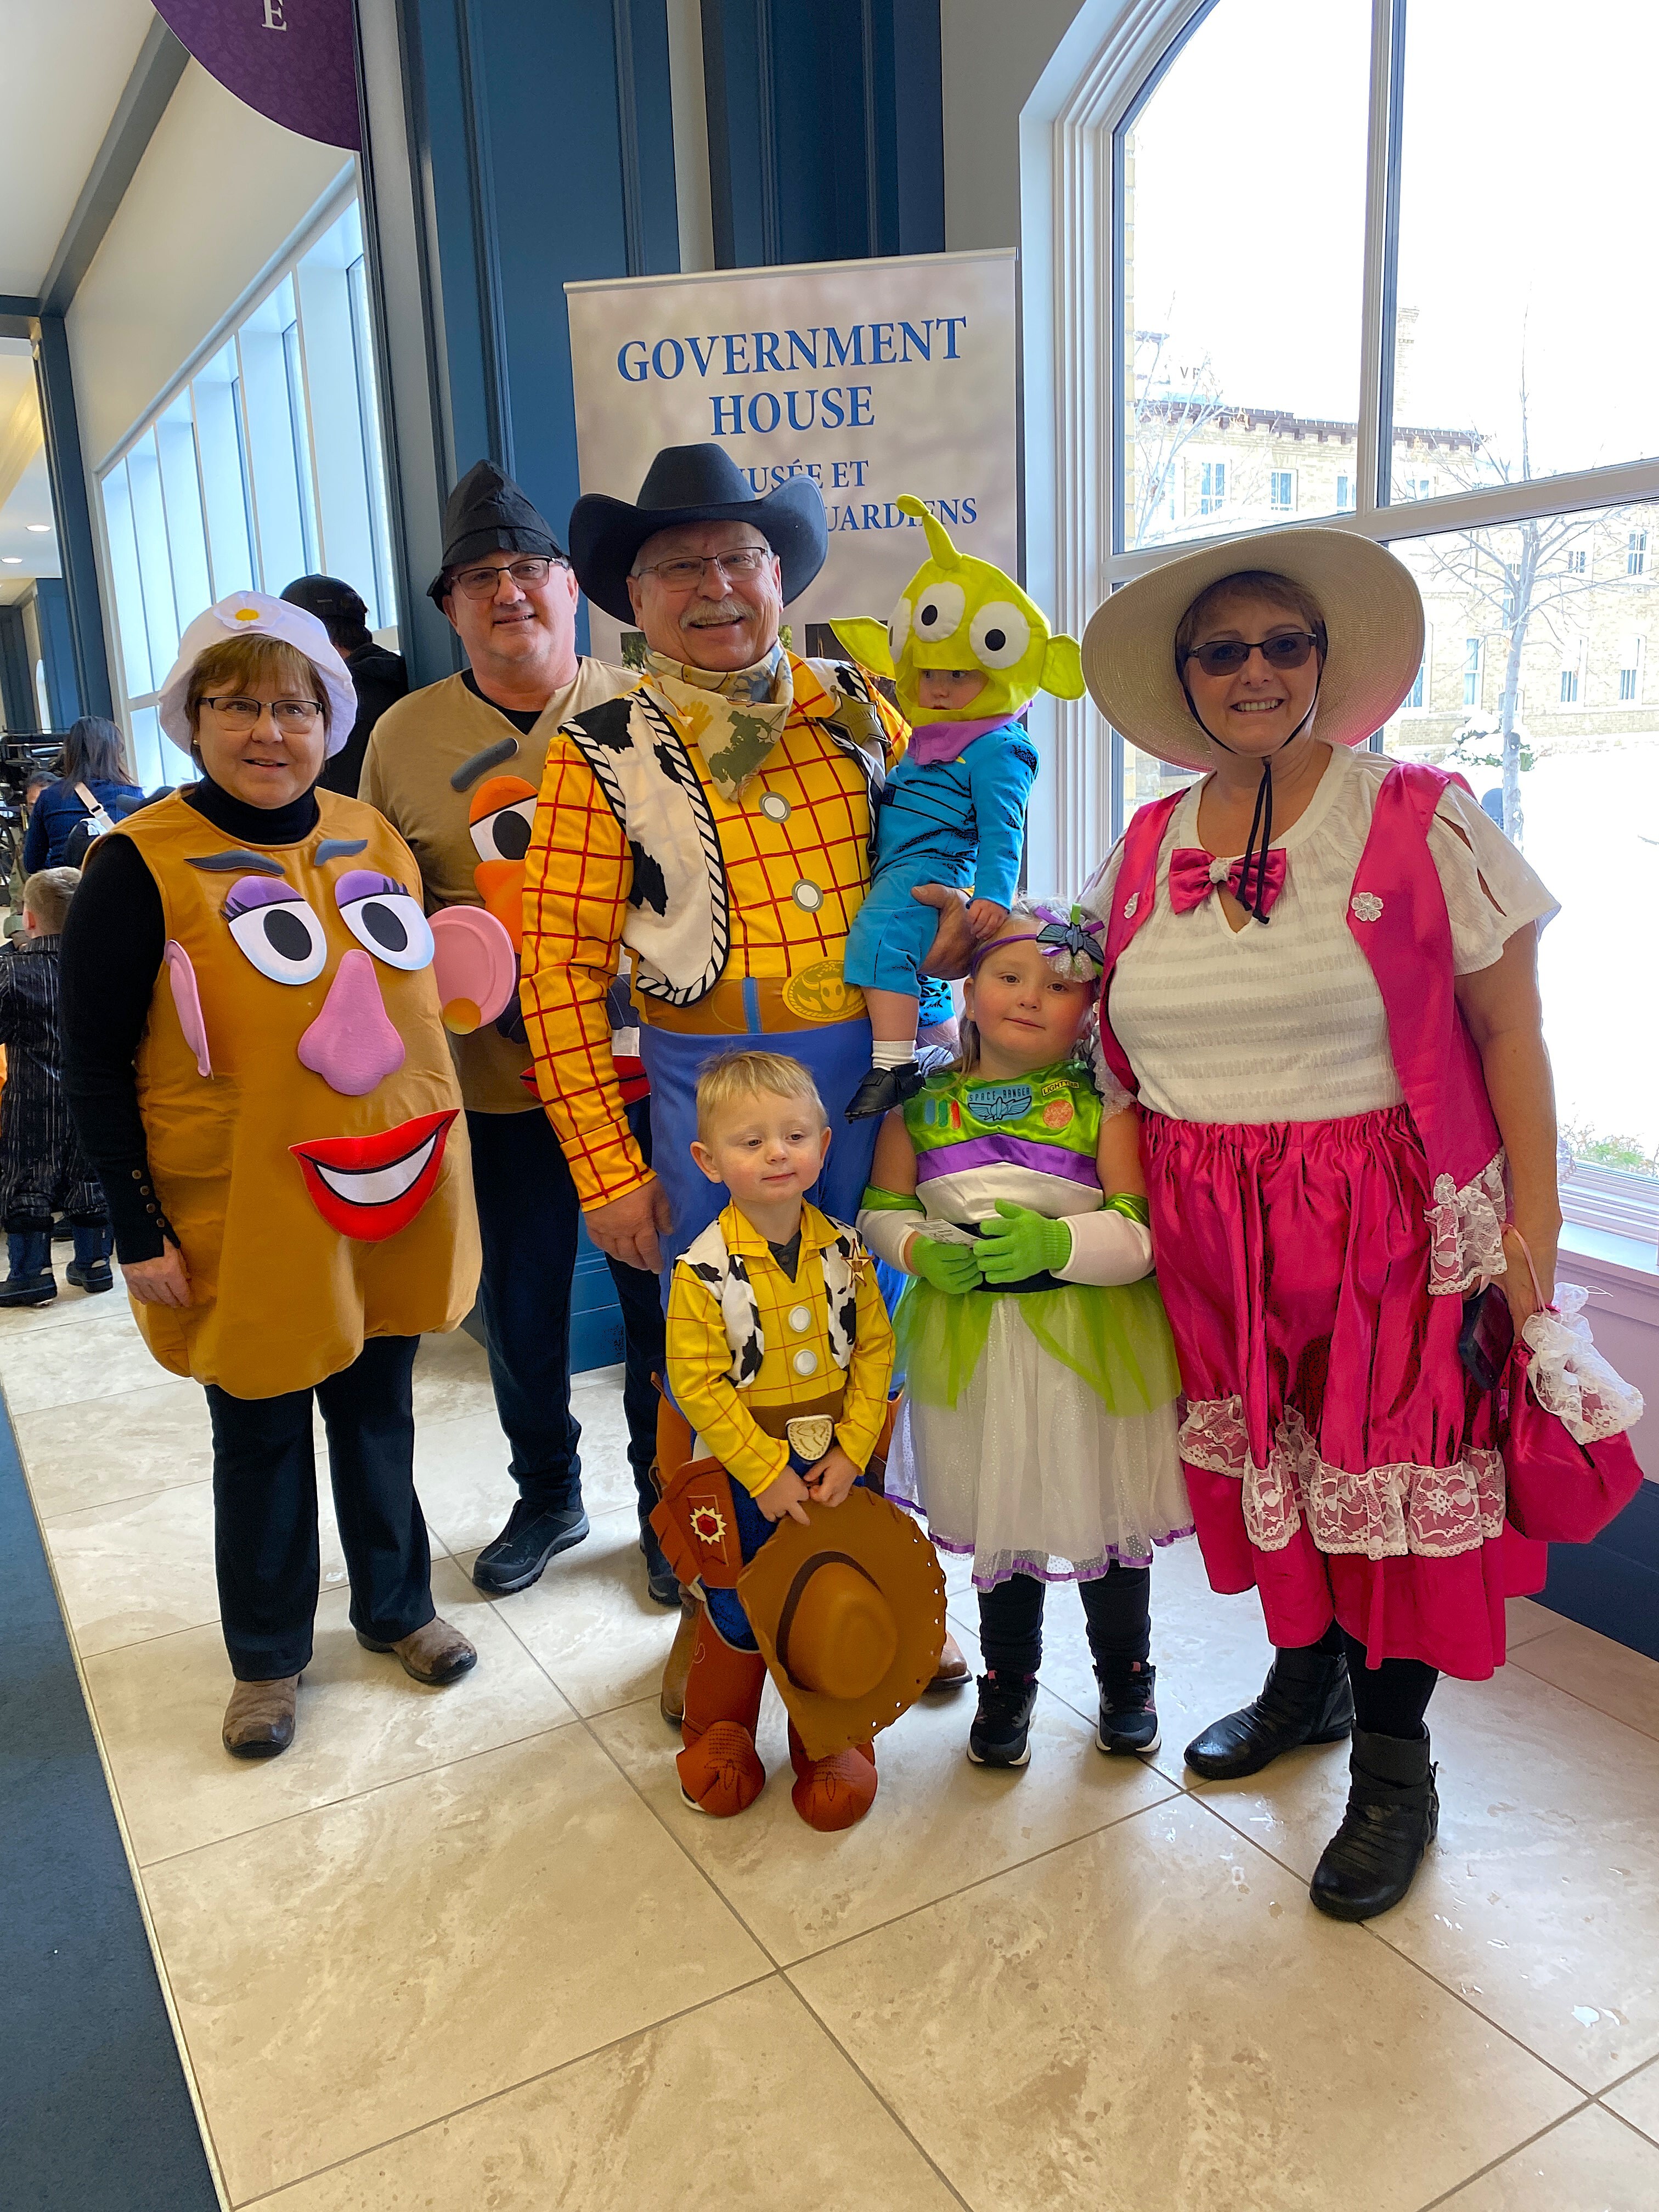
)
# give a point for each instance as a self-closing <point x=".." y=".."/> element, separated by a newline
<point x="43" y="1169"/>
<point x="382" y="679"/>
<point x="60" y="810"/>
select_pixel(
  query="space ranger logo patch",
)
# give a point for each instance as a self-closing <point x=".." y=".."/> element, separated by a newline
<point x="999" y="1102"/>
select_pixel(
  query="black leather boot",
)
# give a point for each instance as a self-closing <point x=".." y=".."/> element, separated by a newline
<point x="1305" y="1700"/>
<point x="1393" y="1813"/>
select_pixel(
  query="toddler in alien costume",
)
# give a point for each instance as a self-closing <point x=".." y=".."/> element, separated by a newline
<point x="963" y="642"/>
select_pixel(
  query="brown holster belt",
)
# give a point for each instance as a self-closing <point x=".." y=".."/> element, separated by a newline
<point x="734" y="1006"/>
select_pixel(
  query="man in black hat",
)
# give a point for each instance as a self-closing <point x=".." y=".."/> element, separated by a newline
<point x="455" y="767"/>
<point x="377" y="675"/>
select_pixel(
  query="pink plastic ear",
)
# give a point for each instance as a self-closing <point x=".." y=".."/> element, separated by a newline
<point x="475" y="965"/>
<point x="188" y="1000"/>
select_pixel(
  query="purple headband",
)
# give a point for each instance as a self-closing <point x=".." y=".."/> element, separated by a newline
<point x="1069" y="940"/>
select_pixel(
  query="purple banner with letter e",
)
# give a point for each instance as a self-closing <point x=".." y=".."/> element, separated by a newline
<point x="292" y="60"/>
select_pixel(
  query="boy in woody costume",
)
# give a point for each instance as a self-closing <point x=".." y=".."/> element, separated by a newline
<point x="779" y="1355"/>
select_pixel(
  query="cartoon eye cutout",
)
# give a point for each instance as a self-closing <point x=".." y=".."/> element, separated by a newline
<point x="898" y="629"/>
<point x="1001" y="634"/>
<point x="938" y="612"/>
<point x="500" y="817"/>
<point x="382" y="917"/>
<point x="277" y="930"/>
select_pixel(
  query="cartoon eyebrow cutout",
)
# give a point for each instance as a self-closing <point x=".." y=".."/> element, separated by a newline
<point x="481" y="764"/>
<point x="220" y="864"/>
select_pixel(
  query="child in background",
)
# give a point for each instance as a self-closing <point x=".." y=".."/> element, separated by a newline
<point x="774" y="1315"/>
<point x="968" y="651"/>
<point x="1038" y="1427"/>
<point x="43" y="1169"/>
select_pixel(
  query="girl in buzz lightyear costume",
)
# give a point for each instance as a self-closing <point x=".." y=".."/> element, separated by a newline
<point x="1038" y="1427"/>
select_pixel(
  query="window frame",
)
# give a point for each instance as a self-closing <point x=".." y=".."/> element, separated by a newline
<point x="1073" y="162"/>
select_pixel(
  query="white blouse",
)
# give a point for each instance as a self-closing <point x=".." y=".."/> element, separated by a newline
<point x="1286" y="1023"/>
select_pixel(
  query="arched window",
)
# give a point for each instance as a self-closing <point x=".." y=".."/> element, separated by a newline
<point x="1377" y="264"/>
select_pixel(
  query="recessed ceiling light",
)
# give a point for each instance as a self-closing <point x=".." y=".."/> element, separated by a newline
<point x="44" y="529"/>
<point x="12" y="560"/>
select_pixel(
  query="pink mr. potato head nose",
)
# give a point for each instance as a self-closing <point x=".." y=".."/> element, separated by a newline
<point x="351" y="1044"/>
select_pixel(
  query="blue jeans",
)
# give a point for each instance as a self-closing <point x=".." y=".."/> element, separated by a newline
<point x="527" y="1224"/>
<point x="837" y="1055"/>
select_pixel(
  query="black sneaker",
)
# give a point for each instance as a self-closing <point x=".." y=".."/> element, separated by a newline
<point x="662" y="1585"/>
<point x="533" y="1535"/>
<point x="1003" y="1723"/>
<point x="1128" y="1718"/>
<point x="28" y="1290"/>
<point x="93" y="1277"/>
<point x="883" y="1088"/>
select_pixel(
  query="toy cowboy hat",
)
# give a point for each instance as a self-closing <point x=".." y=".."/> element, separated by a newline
<point x="694" y="484"/>
<point x="256" y="614"/>
<point x="1373" y="621"/>
<point x="849" y="1615"/>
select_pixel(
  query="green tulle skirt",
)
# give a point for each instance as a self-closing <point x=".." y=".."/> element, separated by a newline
<point x="1116" y="1339"/>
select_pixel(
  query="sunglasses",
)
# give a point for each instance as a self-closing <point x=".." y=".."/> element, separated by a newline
<point x="1285" y="648"/>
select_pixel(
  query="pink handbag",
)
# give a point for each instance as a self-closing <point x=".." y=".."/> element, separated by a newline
<point x="1564" y="1417"/>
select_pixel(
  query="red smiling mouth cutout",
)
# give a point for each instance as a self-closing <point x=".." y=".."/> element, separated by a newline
<point x="369" y="1187"/>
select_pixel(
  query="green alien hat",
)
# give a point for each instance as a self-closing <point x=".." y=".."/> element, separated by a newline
<point x="958" y="612"/>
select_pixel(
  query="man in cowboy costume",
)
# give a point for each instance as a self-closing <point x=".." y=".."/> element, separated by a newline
<point x="714" y="820"/>
<point x="455" y="767"/>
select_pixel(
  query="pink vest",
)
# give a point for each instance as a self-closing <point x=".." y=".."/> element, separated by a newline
<point x="1397" y="916"/>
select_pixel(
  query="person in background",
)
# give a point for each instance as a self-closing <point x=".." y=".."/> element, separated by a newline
<point x="93" y="781"/>
<point x="455" y="767"/>
<point x="377" y="675"/>
<point x="43" y="1169"/>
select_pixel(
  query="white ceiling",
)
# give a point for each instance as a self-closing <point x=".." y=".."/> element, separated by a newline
<point x="67" y="62"/>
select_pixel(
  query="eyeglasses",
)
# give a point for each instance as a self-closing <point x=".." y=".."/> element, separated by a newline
<point x="242" y="713"/>
<point x="1285" y="648"/>
<point x="681" y="574"/>
<point x="485" y="583"/>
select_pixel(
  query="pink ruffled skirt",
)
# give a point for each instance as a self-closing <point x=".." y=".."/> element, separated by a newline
<point x="1337" y="1458"/>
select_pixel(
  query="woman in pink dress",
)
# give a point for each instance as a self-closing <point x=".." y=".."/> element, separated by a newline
<point x="1321" y="982"/>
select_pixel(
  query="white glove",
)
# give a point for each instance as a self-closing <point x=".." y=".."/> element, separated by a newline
<point x="1106" y="1248"/>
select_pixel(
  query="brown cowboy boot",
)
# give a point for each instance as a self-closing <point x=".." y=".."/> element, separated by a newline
<point x="953" y="1670"/>
<point x="259" y="1718"/>
<point x="678" y="1666"/>
<point x="720" y="1770"/>
<point x="434" y="1654"/>
<point x="836" y="1792"/>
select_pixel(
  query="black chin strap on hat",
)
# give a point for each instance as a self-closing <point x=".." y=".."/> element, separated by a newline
<point x="1253" y="869"/>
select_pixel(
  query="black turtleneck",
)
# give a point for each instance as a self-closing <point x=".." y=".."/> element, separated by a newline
<point x="113" y="943"/>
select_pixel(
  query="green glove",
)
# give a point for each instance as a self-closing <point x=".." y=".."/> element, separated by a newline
<point x="953" y="1268"/>
<point x="1019" y="1242"/>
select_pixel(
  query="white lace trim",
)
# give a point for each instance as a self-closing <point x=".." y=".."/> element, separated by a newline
<point x="1387" y="1512"/>
<point x="1465" y="1231"/>
<point x="1568" y="1376"/>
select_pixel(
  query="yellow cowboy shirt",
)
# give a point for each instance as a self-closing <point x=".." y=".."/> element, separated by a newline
<point x="797" y="872"/>
<point x="797" y="1366"/>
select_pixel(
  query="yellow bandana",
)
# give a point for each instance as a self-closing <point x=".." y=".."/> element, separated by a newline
<point x="735" y="716"/>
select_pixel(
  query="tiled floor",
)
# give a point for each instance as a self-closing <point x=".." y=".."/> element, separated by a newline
<point x="467" y="1951"/>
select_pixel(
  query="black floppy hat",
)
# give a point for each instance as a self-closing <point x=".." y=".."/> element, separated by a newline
<point x="694" y="484"/>
<point x="487" y="512"/>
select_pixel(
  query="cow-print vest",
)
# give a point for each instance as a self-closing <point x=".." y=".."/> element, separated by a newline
<point x="728" y="1277"/>
<point x="678" y="920"/>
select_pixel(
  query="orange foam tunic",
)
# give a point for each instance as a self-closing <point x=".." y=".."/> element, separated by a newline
<point x="317" y="1201"/>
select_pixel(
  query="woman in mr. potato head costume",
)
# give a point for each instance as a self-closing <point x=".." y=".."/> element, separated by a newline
<point x="254" y="1007"/>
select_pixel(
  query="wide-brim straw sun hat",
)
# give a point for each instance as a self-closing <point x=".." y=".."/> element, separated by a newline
<point x="1373" y="616"/>
<point x="256" y="614"/>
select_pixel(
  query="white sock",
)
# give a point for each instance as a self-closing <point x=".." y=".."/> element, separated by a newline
<point x="892" y="1052"/>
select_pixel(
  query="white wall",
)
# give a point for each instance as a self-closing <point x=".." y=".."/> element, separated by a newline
<point x="218" y="194"/>
<point x="992" y="55"/>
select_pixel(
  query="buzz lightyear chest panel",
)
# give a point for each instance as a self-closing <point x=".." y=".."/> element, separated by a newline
<point x="1045" y="1125"/>
<point x="305" y="982"/>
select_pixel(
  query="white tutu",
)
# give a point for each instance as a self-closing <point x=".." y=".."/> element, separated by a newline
<point x="1033" y="1476"/>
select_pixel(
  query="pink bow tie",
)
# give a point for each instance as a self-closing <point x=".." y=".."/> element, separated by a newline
<point x="1194" y="873"/>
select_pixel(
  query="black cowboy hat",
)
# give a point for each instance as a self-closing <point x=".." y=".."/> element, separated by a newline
<point x="694" y="484"/>
<point x="487" y="512"/>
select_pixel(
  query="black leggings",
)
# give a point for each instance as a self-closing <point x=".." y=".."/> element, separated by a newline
<point x="1117" y="1610"/>
<point x="1388" y="1700"/>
